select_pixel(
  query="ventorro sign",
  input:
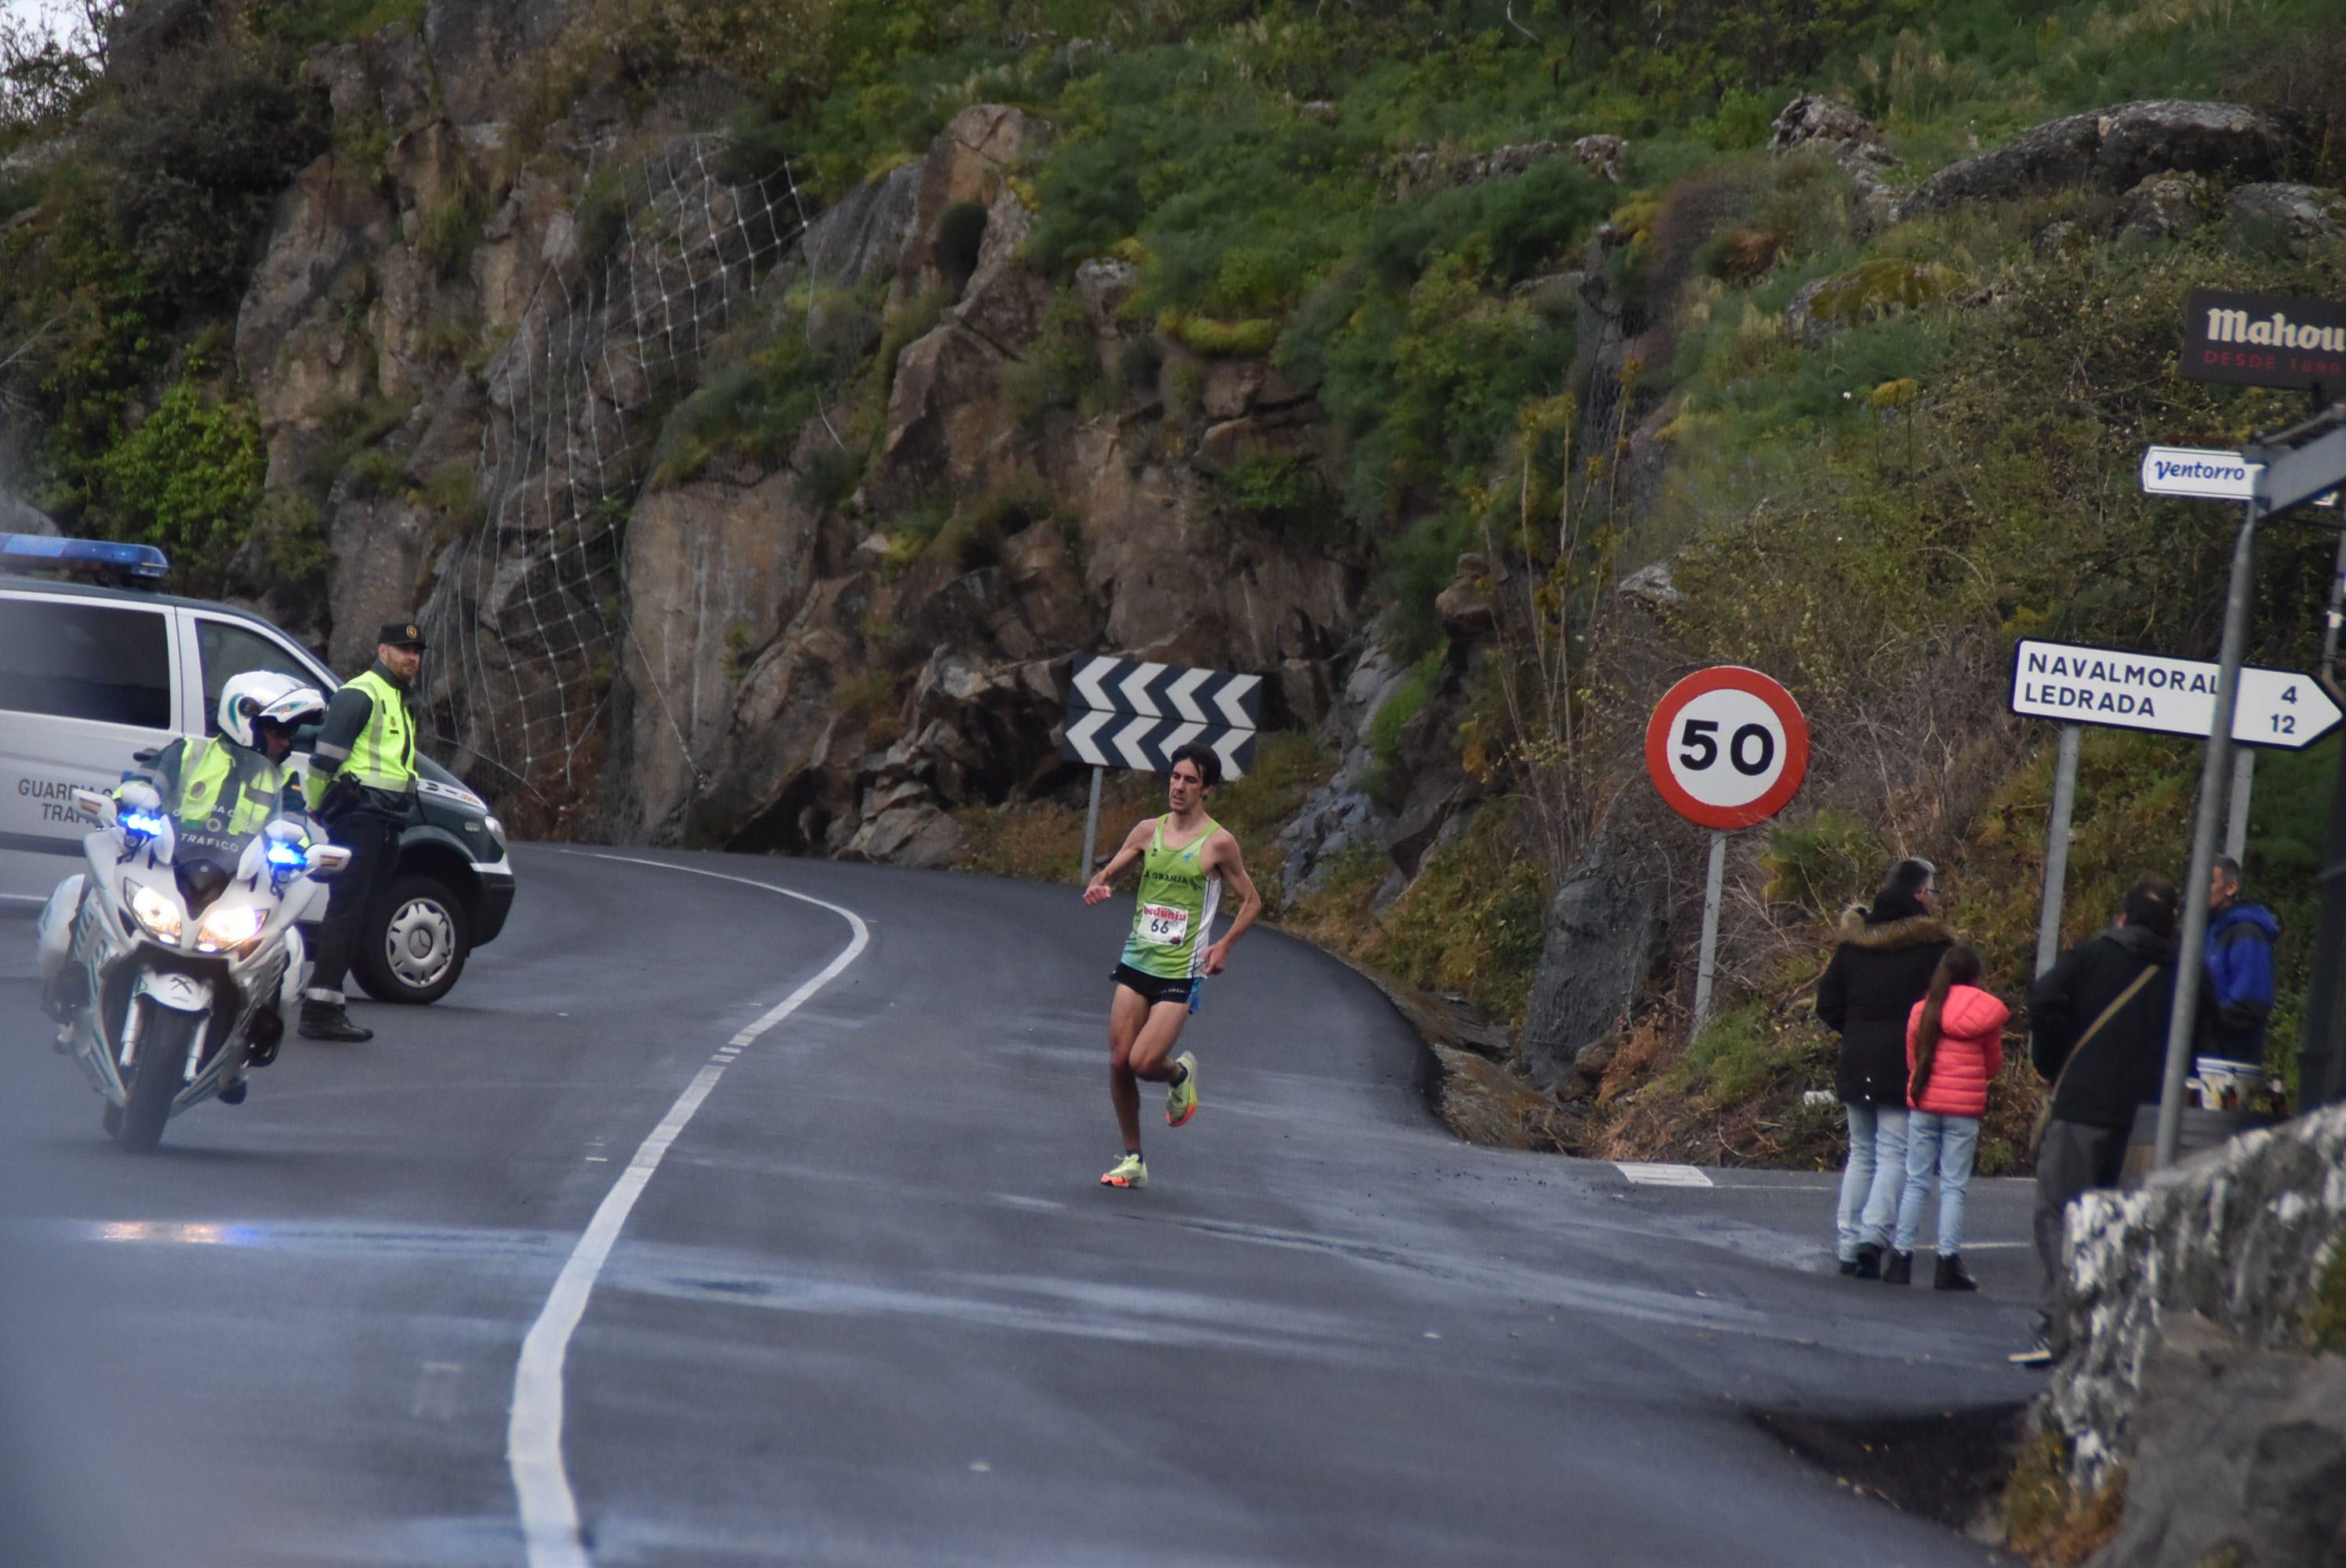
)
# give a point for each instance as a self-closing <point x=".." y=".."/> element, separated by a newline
<point x="2264" y="340"/>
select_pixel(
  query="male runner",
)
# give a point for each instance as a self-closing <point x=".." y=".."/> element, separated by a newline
<point x="1185" y="859"/>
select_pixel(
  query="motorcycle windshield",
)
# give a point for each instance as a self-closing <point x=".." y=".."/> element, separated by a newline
<point x="198" y="843"/>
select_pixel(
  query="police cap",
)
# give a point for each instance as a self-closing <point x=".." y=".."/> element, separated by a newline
<point x="401" y="635"/>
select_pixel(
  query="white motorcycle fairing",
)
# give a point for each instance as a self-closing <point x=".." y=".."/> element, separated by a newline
<point x="167" y="1012"/>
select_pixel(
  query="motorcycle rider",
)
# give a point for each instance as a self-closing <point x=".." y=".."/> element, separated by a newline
<point x="221" y="793"/>
<point x="362" y="785"/>
<point x="217" y="792"/>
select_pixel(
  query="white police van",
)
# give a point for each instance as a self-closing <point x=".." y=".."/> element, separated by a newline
<point x="93" y="674"/>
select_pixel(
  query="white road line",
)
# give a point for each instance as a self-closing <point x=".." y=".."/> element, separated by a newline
<point x="1649" y="1175"/>
<point x="549" y="1510"/>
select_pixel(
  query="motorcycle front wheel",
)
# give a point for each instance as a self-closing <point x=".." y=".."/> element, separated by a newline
<point x="159" y="1074"/>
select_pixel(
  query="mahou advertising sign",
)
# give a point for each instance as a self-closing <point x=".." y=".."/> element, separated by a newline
<point x="2264" y="340"/>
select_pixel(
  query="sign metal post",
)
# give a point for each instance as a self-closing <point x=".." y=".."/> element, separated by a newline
<point x="1091" y="824"/>
<point x="2244" y="778"/>
<point x="2189" y="968"/>
<point x="1714" y="886"/>
<point x="2056" y="849"/>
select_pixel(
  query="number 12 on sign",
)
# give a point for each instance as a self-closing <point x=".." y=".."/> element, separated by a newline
<point x="1725" y="748"/>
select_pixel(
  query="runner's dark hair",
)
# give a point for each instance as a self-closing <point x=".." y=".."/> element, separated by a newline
<point x="1959" y="965"/>
<point x="1209" y="767"/>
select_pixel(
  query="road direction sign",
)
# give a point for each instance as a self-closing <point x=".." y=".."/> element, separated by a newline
<point x="2209" y="474"/>
<point x="1727" y="746"/>
<point x="1133" y="713"/>
<point x="2081" y="685"/>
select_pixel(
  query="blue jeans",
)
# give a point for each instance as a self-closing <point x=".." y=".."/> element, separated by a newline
<point x="1871" y="1182"/>
<point x="1948" y="1143"/>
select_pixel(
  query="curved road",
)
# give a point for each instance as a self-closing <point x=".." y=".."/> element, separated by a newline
<point x="871" y="1307"/>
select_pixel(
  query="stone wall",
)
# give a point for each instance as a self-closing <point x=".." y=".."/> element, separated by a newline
<point x="2211" y="1265"/>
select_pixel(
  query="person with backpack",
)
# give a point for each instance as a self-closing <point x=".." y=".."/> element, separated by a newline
<point x="1955" y="1049"/>
<point x="2098" y="1035"/>
<point x="1881" y="968"/>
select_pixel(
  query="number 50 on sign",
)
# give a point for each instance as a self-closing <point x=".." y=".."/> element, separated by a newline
<point x="1727" y="748"/>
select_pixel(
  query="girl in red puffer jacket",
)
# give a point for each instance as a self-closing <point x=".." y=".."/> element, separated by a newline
<point x="1955" y="1046"/>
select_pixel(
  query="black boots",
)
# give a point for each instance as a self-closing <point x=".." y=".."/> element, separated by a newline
<point x="1897" y="1269"/>
<point x="1951" y="1275"/>
<point x="326" y="1021"/>
<point x="1868" y="1261"/>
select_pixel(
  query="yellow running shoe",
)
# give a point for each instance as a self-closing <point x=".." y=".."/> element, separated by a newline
<point x="1181" y="1099"/>
<point x="1130" y="1171"/>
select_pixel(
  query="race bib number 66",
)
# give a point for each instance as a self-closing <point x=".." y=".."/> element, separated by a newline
<point x="1163" y="926"/>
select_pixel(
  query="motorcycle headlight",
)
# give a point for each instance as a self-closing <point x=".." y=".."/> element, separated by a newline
<point x="158" y="914"/>
<point x="228" y="926"/>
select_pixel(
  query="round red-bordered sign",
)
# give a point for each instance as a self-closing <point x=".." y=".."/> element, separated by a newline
<point x="1727" y="746"/>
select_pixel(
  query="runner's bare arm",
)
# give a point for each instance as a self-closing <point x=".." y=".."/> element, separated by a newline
<point x="1222" y="859"/>
<point x="1136" y="844"/>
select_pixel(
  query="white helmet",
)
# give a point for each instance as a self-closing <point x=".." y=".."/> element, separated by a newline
<point x="265" y="693"/>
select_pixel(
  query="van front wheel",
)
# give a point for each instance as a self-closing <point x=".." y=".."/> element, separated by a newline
<point x="415" y="943"/>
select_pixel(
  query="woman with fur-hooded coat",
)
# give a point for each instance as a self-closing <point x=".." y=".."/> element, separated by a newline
<point x="1879" y="971"/>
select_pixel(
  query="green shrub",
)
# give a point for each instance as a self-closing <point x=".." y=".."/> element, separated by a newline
<point x="188" y="478"/>
<point x="1221" y="339"/>
<point x="448" y="230"/>
<point x="1824" y="865"/>
<point x="2325" y="1314"/>
<point x="193" y="163"/>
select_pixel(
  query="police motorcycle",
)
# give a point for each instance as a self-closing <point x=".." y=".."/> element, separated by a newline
<point x="173" y="963"/>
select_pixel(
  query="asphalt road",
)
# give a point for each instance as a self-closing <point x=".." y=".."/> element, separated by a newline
<point x="871" y="1307"/>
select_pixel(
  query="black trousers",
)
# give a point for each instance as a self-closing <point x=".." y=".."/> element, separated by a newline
<point x="2075" y="1157"/>
<point x="372" y="840"/>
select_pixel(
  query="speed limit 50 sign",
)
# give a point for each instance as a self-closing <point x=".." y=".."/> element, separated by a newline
<point x="1727" y="748"/>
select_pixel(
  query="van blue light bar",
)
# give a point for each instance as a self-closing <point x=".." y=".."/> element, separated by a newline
<point x="38" y="552"/>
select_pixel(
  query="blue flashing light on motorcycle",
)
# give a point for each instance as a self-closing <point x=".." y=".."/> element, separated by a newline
<point x="138" y="826"/>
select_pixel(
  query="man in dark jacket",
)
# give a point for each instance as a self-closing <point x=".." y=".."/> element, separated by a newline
<point x="1879" y="972"/>
<point x="2118" y="1067"/>
<point x="2240" y="965"/>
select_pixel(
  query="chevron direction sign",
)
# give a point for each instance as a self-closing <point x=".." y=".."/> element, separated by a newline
<point x="1131" y="713"/>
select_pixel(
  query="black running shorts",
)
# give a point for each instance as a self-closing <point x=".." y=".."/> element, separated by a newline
<point x="1156" y="988"/>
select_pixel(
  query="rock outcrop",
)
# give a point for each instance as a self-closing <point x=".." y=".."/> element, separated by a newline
<point x="2303" y="215"/>
<point x="808" y="678"/>
<point x="2114" y="149"/>
<point x="1607" y="937"/>
<point x="1815" y="124"/>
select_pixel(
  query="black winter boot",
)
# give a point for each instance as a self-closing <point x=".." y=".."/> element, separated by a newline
<point x="1897" y="1269"/>
<point x="1868" y="1261"/>
<point x="1951" y="1275"/>
<point x="325" y="1020"/>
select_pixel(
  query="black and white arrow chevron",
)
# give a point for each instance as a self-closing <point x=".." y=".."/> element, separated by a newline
<point x="1132" y="713"/>
<point x="1108" y="739"/>
<point x="1167" y="691"/>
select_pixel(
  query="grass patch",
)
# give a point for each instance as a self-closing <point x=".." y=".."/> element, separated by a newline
<point x="2325" y="1313"/>
<point x="2045" y="1520"/>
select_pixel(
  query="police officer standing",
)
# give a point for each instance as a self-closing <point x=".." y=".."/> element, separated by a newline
<point x="362" y="786"/>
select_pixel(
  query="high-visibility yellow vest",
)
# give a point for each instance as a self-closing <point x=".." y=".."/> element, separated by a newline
<point x="384" y="756"/>
<point x="224" y="788"/>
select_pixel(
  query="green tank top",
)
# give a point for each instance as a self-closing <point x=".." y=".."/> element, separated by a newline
<point x="1175" y="914"/>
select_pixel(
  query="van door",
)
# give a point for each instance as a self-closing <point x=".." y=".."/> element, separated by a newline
<point x="84" y="685"/>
